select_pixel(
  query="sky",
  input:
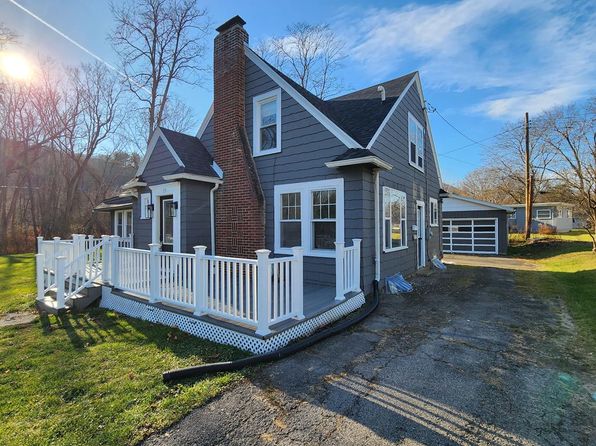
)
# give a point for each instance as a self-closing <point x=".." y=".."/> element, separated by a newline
<point x="482" y="62"/>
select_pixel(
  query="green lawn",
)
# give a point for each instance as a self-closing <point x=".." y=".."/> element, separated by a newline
<point x="17" y="283"/>
<point x="567" y="269"/>
<point x="94" y="378"/>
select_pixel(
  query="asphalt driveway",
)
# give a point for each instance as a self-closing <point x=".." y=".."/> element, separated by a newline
<point x="468" y="358"/>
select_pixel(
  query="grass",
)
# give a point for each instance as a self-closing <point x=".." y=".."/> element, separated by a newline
<point x="94" y="378"/>
<point x="566" y="269"/>
<point x="17" y="283"/>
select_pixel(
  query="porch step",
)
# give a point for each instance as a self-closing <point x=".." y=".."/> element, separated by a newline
<point x="77" y="303"/>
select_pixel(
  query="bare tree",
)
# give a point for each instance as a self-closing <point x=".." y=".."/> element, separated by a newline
<point x="7" y="36"/>
<point x="160" y="43"/>
<point x="571" y="137"/>
<point x="506" y="158"/>
<point x="309" y="54"/>
<point x="489" y="184"/>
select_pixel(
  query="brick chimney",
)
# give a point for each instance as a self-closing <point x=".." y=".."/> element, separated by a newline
<point x="239" y="209"/>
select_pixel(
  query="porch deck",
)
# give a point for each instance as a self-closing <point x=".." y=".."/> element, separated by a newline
<point x="317" y="300"/>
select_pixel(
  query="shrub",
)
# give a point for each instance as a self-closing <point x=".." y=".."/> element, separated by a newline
<point x="545" y="229"/>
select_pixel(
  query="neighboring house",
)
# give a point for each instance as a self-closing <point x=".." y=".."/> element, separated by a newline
<point x="354" y="181"/>
<point x="556" y="215"/>
<point x="473" y="226"/>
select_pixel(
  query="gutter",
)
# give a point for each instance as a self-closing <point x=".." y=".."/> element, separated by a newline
<point x="212" y="205"/>
<point x="376" y="174"/>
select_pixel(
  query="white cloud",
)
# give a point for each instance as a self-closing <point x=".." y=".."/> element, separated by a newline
<point x="536" y="54"/>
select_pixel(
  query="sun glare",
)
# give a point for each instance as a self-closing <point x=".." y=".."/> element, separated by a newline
<point x="15" y="65"/>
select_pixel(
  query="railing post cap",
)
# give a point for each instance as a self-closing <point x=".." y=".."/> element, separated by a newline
<point x="56" y="238"/>
<point x="263" y="251"/>
<point x="40" y="237"/>
<point x="199" y="249"/>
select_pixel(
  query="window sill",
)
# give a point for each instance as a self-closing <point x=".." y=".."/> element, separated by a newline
<point x="266" y="152"/>
<point x="401" y="248"/>
<point x="416" y="166"/>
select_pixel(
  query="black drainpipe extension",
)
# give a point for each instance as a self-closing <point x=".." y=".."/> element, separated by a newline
<point x="229" y="366"/>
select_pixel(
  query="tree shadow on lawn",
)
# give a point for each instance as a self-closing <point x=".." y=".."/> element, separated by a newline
<point x="544" y="248"/>
<point x="98" y="325"/>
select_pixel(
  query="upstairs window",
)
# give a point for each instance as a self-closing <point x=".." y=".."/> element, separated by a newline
<point x="394" y="219"/>
<point x="415" y="143"/>
<point x="267" y="123"/>
<point x="434" y="212"/>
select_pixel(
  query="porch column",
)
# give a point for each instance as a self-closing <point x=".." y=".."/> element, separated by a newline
<point x="357" y="243"/>
<point x="56" y="253"/>
<point x="115" y="261"/>
<point x="200" y="285"/>
<point x="263" y="278"/>
<point x="339" y="271"/>
<point x="106" y="259"/>
<point x="154" y="272"/>
<point x="297" y="282"/>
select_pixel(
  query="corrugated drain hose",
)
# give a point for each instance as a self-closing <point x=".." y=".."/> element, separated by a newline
<point x="228" y="366"/>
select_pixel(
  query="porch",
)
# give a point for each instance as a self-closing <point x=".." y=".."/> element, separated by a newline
<point x="263" y="299"/>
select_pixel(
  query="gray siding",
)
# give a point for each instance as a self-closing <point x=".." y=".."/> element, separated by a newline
<point x="392" y="146"/>
<point x="306" y="146"/>
<point x="161" y="162"/>
<point x="142" y="228"/>
<point x="503" y="240"/>
<point x="519" y="222"/>
<point x="195" y="224"/>
<point x="207" y="136"/>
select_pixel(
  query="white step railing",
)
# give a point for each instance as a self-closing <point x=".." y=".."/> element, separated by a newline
<point x="347" y="268"/>
<point x="68" y="266"/>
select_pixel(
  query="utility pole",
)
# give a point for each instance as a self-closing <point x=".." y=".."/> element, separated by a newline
<point x="528" y="181"/>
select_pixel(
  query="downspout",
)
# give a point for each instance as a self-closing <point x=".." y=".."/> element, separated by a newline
<point x="212" y="203"/>
<point x="377" y="228"/>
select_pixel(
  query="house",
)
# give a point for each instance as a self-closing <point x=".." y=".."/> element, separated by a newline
<point x="556" y="215"/>
<point x="473" y="226"/>
<point x="328" y="195"/>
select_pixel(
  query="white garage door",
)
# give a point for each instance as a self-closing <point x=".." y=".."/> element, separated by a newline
<point x="470" y="235"/>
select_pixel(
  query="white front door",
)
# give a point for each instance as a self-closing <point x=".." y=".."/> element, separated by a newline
<point x="421" y="234"/>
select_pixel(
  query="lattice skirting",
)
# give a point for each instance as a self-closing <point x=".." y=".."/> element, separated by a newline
<point x="222" y="335"/>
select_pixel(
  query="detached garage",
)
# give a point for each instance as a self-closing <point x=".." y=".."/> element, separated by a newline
<point x="473" y="226"/>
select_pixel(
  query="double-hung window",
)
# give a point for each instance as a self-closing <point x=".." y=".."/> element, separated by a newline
<point x="123" y="223"/>
<point x="434" y="212"/>
<point x="415" y="142"/>
<point x="394" y="219"/>
<point x="267" y="123"/>
<point x="309" y="215"/>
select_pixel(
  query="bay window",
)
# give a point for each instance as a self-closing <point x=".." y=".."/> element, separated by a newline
<point x="394" y="220"/>
<point x="309" y="215"/>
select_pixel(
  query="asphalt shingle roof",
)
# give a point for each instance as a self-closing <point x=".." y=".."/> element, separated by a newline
<point x="359" y="113"/>
<point x="192" y="153"/>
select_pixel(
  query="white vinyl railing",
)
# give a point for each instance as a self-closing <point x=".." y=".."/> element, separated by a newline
<point x="258" y="293"/>
<point x="67" y="266"/>
<point x="347" y="268"/>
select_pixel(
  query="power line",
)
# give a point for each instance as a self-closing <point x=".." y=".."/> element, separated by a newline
<point x="484" y="139"/>
<point x="78" y="45"/>
<point x="434" y="110"/>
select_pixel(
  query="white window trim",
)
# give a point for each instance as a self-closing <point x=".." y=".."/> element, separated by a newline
<point x="433" y="203"/>
<point x="256" y="121"/>
<point x="144" y="201"/>
<point x="158" y="191"/>
<point x="404" y="229"/>
<point x="124" y="221"/>
<point x="550" y="214"/>
<point x="415" y="165"/>
<point x="305" y="189"/>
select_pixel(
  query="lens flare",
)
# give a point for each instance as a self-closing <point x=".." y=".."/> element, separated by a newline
<point x="15" y="65"/>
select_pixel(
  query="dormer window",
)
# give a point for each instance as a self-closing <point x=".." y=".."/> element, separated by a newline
<point x="267" y="123"/>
